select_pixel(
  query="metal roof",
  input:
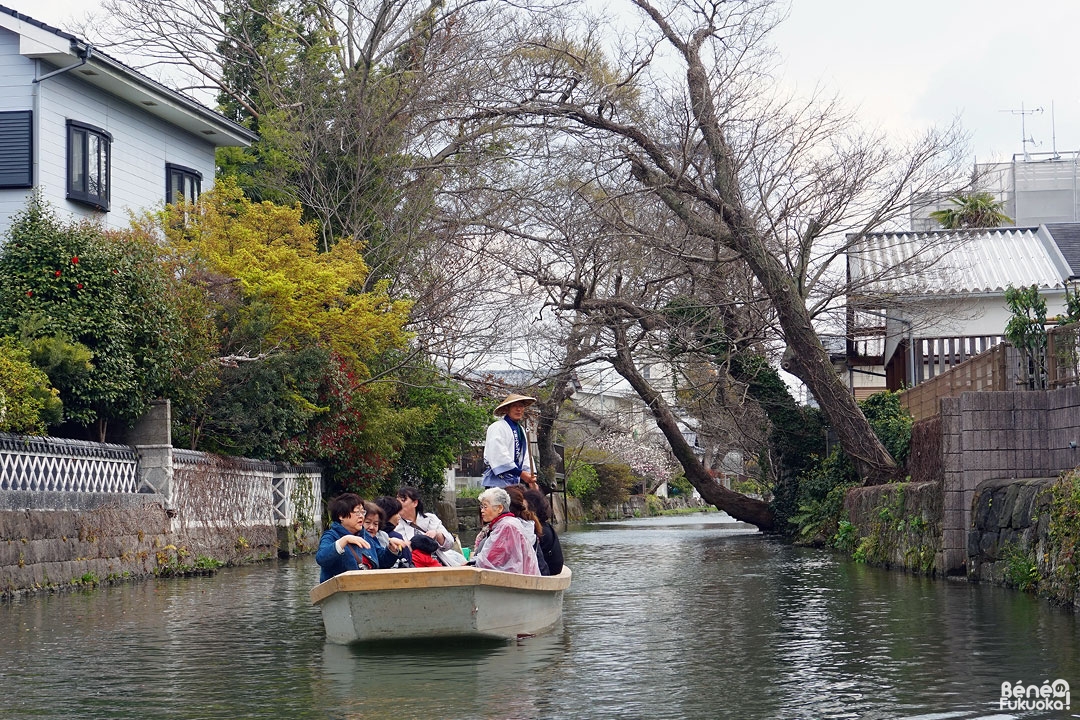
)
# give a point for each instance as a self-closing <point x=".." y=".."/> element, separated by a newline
<point x="1067" y="238"/>
<point x="951" y="262"/>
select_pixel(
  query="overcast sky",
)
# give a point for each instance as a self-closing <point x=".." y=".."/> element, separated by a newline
<point x="906" y="66"/>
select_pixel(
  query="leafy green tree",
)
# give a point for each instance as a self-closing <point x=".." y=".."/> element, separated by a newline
<point x="28" y="403"/>
<point x="1026" y="330"/>
<point x="449" y="421"/>
<point x="973" y="210"/>
<point x="104" y="293"/>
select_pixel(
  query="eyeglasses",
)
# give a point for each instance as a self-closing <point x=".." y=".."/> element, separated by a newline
<point x="359" y="511"/>
<point x="485" y="506"/>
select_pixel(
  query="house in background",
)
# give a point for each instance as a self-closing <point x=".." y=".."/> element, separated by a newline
<point x="94" y="136"/>
<point x="1033" y="189"/>
<point x="905" y="329"/>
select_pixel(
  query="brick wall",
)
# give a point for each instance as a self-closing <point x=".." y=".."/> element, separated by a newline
<point x="1001" y="435"/>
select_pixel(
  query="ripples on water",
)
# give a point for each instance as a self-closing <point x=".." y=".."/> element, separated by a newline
<point x="683" y="617"/>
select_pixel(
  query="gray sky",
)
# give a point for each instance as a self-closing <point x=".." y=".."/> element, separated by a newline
<point x="907" y="66"/>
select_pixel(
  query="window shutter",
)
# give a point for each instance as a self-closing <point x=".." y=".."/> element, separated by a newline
<point x="16" y="149"/>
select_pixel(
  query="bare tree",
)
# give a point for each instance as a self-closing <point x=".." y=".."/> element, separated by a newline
<point x="753" y="177"/>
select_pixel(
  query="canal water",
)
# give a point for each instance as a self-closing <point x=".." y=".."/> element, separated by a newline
<point x="675" y="617"/>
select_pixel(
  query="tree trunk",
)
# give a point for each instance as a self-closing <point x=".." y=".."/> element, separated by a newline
<point x="737" y="505"/>
<point x="807" y="359"/>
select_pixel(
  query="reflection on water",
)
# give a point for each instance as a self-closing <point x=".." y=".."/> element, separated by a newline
<point x="685" y="617"/>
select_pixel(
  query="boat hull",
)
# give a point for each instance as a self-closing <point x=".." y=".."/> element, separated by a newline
<point x="432" y="603"/>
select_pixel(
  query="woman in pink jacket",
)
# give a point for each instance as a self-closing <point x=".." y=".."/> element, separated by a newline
<point x="504" y="543"/>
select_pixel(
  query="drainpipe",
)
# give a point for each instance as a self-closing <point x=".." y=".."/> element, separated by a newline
<point x="84" y="54"/>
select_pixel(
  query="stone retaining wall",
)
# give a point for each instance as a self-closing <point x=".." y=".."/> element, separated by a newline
<point x="987" y="435"/>
<point x="1010" y="522"/>
<point x="111" y="538"/>
<point x="897" y="525"/>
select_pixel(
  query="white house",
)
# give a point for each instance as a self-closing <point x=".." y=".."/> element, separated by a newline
<point x="96" y="137"/>
<point x="904" y="328"/>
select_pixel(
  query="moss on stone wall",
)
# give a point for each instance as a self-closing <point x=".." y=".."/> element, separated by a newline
<point x="1025" y="534"/>
<point x="894" y="526"/>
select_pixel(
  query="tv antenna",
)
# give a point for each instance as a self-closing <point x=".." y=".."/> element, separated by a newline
<point x="1024" y="139"/>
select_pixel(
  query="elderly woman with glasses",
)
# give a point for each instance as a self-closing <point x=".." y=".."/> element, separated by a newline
<point x="346" y="545"/>
<point x="504" y="543"/>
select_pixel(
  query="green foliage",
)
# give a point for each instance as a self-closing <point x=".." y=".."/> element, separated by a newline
<point x="821" y="487"/>
<point x="616" y="480"/>
<point x="821" y="495"/>
<point x="891" y="422"/>
<point x="1026" y="329"/>
<point x="653" y="505"/>
<point x="471" y="493"/>
<point x="28" y="403"/>
<point x="1063" y="534"/>
<point x="447" y="421"/>
<point x="846" y="536"/>
<point x="974" y="210"/>
<point x="679" y="486"/>
<point x="1072" y="306"/>
<point x="1021" y="570"/>
<point x="583" y="482"/>
<point x="262" y="407"/>
<point x="107" y="293"/>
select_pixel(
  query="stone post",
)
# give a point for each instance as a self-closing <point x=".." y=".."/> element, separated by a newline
<point x="152" y="438"/>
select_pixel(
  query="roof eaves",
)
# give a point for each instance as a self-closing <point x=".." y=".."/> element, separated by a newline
<point x="77" y="47"/>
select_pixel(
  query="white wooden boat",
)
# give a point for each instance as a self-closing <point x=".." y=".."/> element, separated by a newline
<point x="429" y="603"/>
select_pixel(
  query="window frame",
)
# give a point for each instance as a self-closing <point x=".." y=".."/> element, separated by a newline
<point x="187" y="173"/>
<point x="98" y="201"/>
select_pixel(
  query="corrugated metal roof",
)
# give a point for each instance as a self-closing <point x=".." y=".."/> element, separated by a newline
<point x="951" y="262"/>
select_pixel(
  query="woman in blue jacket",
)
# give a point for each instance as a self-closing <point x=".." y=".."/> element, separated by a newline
<point x="346" y="545"/>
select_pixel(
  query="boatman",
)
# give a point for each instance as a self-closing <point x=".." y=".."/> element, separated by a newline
<point x="506" y="450"/>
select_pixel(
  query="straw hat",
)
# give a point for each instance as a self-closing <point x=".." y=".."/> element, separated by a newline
<point x="512" y="398"/>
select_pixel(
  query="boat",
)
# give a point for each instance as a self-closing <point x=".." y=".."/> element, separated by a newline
<point x="439" y="603"/>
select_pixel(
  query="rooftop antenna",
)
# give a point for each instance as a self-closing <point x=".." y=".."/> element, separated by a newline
<point x="1053" y="131"/>
<point x="1024" y="139"/>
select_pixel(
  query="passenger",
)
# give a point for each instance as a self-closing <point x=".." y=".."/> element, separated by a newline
<point x="347" y="533"/>
<point x="549" y="541"/>
<point x="373" y="523"/>
<point x="414" y="520"/>
<point x="504" y="544"/>
<point x="520" y="509"/>
<point x="391" y="510"/>
<point x="506" y="447"/>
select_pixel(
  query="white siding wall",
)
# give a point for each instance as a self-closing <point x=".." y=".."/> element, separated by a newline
<point x="985" y="315"/>
<point x="16" y="93"/>
<point x="141" y="145"/>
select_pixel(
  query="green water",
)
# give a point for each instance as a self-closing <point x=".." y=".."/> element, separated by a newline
<point x="683" y="617"/>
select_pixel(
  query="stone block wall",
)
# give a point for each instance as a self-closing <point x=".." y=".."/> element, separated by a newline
<point x="110" y="537"/>
<point x="1001" y="435"/>
<point x="1009" y="517"/>
<point x="898" y="525"/>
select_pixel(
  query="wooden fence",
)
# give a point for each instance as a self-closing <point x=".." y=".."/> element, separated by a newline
<point x="989" y="370"/>
<point x="1002" y="367"/>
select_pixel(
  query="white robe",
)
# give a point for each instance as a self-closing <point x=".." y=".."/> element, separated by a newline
<point x="499" y="455"/>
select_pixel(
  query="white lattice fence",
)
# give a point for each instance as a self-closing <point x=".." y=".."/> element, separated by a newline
<point x="53" y="464"/>
<point x="210" y="490"/>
